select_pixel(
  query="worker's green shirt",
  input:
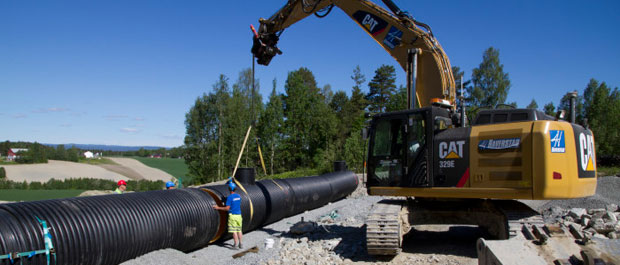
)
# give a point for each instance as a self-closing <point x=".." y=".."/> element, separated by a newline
<point x="118" y="191"/>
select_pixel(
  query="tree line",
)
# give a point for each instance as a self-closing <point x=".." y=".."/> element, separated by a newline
<point x="39" y="153"/>
<point x="310" y="126"/>
<point x="306" y="126"/>
<point x="81" y="184"/>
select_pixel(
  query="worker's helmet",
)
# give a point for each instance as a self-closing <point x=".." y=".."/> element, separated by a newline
<point x="231" y="186"/>
<point x="169" y="184"/>
<point x="122" y="182"/>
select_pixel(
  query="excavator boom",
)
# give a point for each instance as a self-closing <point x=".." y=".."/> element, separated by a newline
<point x="397" y="32"/>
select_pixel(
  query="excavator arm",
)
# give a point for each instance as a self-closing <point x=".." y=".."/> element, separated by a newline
<point x="398" y="33"/>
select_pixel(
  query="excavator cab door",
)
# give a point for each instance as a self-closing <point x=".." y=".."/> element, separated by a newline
<point x="397" y="150"/>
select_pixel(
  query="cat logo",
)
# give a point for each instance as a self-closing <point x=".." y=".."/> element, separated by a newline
<point x="451" y="150"/>
<point x="586" y="151"/>
<point x="369" y="22"/>
<point x="372" y="23"/>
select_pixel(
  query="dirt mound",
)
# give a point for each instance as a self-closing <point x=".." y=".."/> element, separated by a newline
<point x="95" y="192"/>
<point x="137" y="169"/>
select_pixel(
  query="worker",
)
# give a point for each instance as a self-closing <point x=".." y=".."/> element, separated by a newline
<point x="235" y="220"/>
<point x="170" y="185"/>
<point x="122" y="186"/>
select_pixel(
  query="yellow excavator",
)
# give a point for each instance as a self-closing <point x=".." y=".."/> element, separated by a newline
<point x="448" y="172"/>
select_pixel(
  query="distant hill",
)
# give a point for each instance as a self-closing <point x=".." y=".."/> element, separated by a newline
<point x="117" y="148"/>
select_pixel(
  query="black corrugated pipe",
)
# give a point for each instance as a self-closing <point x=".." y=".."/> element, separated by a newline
<point x="340" y="166"/>
<point x="111" y="229"/>
<point x="245" y="175"/>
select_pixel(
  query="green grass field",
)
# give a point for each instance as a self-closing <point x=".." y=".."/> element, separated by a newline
<point x="35" y="195"/>
<point x="175" y="167"/>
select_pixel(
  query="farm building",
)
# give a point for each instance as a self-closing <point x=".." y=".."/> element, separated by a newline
<point x="89" y="154"/>
<point x="13" y="153"/>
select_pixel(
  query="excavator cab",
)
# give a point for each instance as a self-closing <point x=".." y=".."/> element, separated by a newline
<point x="399" y="154"/>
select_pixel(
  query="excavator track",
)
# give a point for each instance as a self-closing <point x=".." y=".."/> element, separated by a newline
<point x="384" y="228"/>
<point x="519" y="215"/>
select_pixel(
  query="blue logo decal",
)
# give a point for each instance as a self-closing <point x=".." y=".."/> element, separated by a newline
<point x="392" y="39"/>
<point x="499" y="144"/>
<point x="557" y="141"/>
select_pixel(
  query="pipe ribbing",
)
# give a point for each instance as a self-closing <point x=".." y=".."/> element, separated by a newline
<point x="111" y="229"/>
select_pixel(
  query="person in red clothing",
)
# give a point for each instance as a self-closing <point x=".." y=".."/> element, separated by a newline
<point x="235" y="220"/>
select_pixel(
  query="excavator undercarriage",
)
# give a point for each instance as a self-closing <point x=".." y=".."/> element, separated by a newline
<point x="390" y="219"/>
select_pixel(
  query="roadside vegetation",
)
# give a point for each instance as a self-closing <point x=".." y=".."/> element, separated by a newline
<point x="96" y="161"/>
<point x="303" y="172"/>
<point x="81" y="184"/>
<point x="35" y="195"/>
<point x="608" y="171"/>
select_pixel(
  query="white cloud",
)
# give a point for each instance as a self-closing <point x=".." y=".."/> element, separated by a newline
<point x="130" y="130"/>
<point x="171" y="136"/>
<point x="115" y="117"/>
<point x="48" y="110"/>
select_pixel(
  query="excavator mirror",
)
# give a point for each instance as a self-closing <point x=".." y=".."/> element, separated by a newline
<point x="560" y="115"/>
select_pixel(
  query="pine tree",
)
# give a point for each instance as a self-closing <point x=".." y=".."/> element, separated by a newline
<point x="382" y="87"/>
<point x="549" y="109"/>
<point x="533" y="105"/>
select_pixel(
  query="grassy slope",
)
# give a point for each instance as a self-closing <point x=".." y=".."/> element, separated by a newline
<point x="175" y="167"/>
<point x="35" y="195"/>
<point x="96" y="161"/>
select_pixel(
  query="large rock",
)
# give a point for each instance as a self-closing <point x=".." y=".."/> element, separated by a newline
<point x="604" y="228"/>
<point x="610" y="217"/>
<point x="612" y="207"/>
<point x="576" y="213"/>
<point x="598" y="210"/>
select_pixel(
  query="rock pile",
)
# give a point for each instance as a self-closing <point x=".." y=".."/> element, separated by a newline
<point x="588" y="223"/>
<point x="333" y="240"/>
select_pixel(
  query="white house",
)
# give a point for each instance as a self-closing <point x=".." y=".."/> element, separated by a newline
<point x="89" y="154"/>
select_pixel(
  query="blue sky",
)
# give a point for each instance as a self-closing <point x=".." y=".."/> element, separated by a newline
<point x="126" y="72"/>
